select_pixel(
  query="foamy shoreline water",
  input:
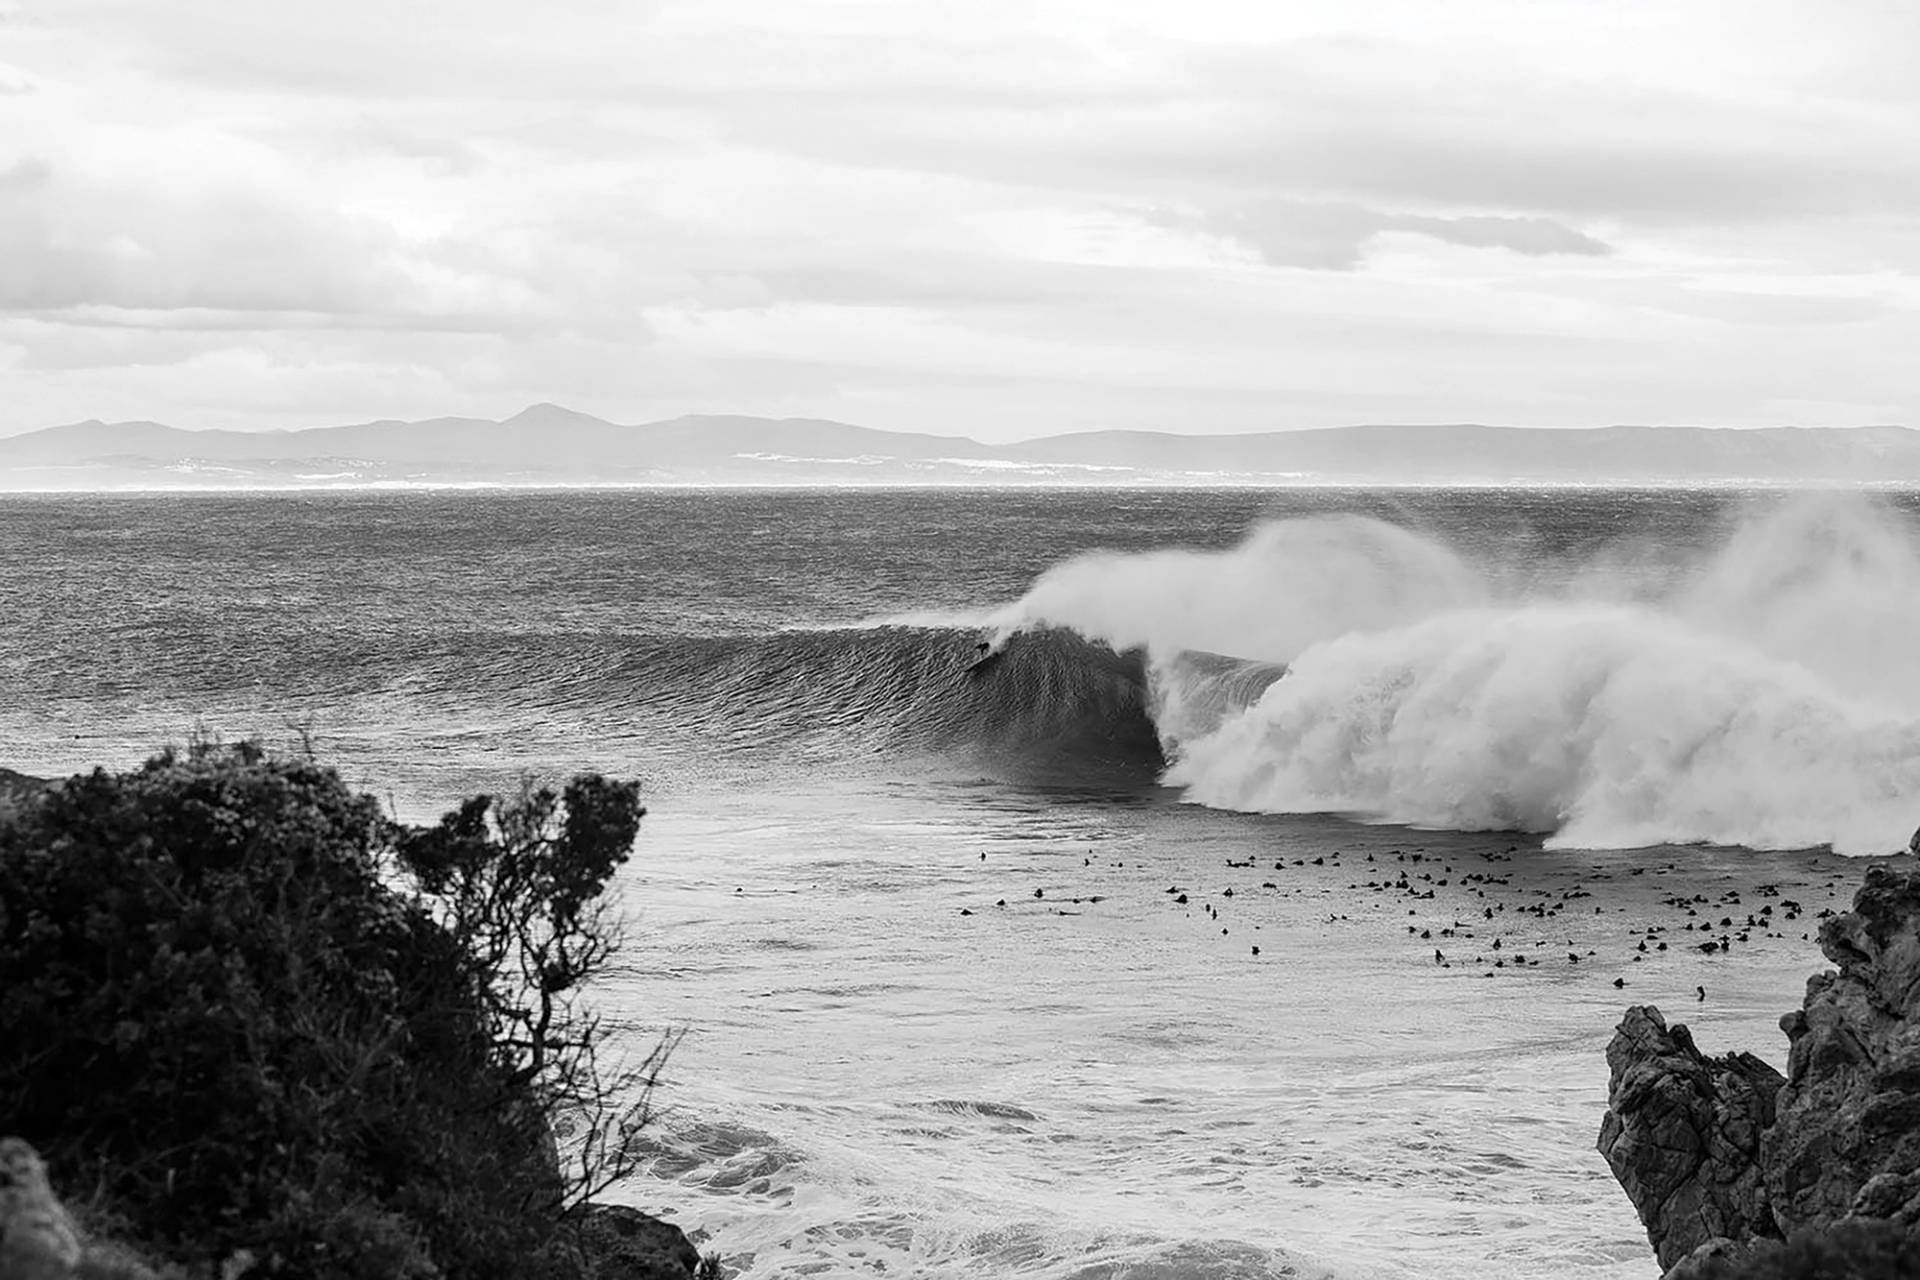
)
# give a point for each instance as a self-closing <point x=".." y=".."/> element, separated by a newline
<point x="1138" y="1083"/>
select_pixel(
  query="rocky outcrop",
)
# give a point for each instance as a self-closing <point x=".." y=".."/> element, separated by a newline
<point x="626" y="1244"/>
<point x="1848" y="1138"/>
<point x="38" y="1238"/>
<point x="1720" y="1155"/>
<point x="1857" y="1249"/>
<point x="1682" y="1134"/>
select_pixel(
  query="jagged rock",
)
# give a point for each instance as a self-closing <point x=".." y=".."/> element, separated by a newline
<point x="1710" y="1258"/>
<point x="1850" y="1114"/>
<point x="1722" y="1147"/>
<point x="38" y="1241"/>
<point x="1682" y="1134"/>
<point x="1857" y="1249"/>
<point x="38" y="1238"/>
<point x="626" y="1244"/>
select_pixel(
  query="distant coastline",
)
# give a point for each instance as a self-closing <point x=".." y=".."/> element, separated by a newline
<point x="477" y="488"/>
<point x="547" y="447"/>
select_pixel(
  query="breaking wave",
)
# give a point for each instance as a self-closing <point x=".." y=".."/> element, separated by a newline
<point x="1760" y="689"/>
<point x="1765" y="693"/>
<point x="1051" y="707"/>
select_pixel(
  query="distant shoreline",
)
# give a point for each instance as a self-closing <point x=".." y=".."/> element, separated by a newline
<point x="1734" y="485"/>
<point x="548" y="445"/>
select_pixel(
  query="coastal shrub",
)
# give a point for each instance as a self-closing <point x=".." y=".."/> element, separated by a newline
<point x="244" y="1010"/>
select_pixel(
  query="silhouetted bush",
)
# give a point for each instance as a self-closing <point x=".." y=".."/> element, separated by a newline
<point x="244" y="1010"/>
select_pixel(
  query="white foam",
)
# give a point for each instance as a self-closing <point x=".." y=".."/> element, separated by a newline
<point x="1288" y="584"/>
<point x="1767" y="694"/>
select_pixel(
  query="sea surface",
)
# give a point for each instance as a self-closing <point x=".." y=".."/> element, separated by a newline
<point x="1075" y="884"/>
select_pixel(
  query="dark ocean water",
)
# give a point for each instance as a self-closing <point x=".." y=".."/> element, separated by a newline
<point x="1083" y="1083"/>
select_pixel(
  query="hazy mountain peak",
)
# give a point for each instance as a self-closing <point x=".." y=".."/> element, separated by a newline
<point x="545" y="413"/>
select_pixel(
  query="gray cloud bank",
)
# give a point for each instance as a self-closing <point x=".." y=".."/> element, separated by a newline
<point x="1063" y="215"/>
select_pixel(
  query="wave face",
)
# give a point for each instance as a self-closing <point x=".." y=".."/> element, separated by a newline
<point x="1042" y="708"/>
<point x="1764" y="693"/>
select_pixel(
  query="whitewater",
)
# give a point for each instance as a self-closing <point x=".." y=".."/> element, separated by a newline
<point x="1155" y="940"/>
<point x="1762" y="695"/>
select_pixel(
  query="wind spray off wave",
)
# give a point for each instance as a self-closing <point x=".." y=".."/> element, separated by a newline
<point x="1765" y="694"/>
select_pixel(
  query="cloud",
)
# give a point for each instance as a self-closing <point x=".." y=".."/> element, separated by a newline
<point x="448" y="154"/>
<point x="1533" y="236"/>
<point x="29" y="173"/>
<point x="1440" y="115"/>
<point x="369" y="49"/>
<point x="1335" y="237"/>
<point x="177" y="228"/>
<point x="67" y="241"/>
<point x="1566" y="212"/>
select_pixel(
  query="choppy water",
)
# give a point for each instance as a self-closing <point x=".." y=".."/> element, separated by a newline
<point x="887" y="1071"/>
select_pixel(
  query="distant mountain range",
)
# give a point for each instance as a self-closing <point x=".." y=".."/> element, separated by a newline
<point x="550" y="445"/>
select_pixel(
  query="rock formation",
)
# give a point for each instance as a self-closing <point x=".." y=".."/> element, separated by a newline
<point x="38" y="1241"/>
<point x="38" y="1238"/>
<point x="1720" y="1155"/>
<point x="626" y="1244"/>
<point x="1848" y="1138"/>
<point x="1682" y="1134"/>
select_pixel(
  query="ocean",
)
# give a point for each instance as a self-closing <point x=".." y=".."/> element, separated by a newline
<point x="1082" y="884"/>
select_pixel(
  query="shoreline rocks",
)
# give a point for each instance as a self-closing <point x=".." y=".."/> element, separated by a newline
<point x="1683" y="1134"/>
<point x="1722" y="1156"/>
<point x="626" y="1244"/>
<point x="39" y="1239"/>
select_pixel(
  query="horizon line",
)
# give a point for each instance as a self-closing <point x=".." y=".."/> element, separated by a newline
<point x="1732" y="484"/>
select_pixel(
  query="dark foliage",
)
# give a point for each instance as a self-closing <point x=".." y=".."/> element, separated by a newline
<point x="18" y="787"/>
<point x="243" y="1010"/>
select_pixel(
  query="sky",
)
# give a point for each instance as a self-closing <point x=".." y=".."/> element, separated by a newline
<point x="1003" y="219"/>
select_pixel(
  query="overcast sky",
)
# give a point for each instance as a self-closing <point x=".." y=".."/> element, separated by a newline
<point x="1002" y="219"/>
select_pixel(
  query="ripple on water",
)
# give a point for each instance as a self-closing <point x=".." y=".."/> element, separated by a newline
<point x="990" y="1110"/>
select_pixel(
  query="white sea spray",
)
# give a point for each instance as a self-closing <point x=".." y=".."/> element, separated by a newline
<point x="1765" y="694"/>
